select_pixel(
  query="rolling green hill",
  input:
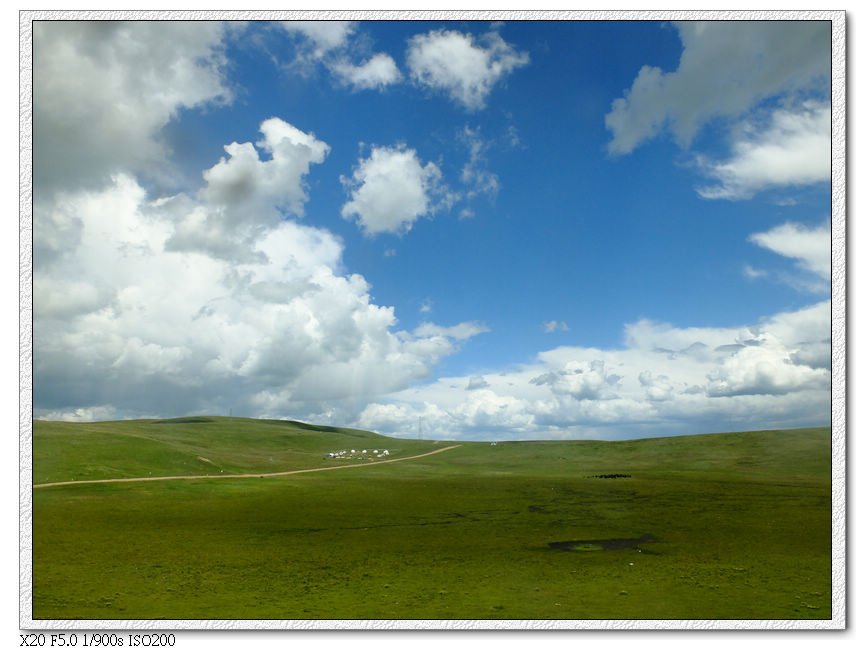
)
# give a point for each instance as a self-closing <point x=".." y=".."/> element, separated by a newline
<point x="193" y="446"/>
<point x="714" y="526"/>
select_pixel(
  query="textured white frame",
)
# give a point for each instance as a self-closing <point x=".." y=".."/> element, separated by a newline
<point x="839" y="327"/>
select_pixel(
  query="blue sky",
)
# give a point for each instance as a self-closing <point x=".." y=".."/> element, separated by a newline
<point x="501" y="229"/>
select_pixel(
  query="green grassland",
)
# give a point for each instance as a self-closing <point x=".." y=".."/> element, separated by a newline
<point x="721" y="526"/>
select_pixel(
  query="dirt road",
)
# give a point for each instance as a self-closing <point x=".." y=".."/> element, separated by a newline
<point x="215" y="476"/>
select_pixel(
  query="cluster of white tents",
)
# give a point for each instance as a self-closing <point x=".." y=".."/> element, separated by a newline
<point x="358" y="454"/>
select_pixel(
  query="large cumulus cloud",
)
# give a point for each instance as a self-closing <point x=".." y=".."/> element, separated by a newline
<point x="149" y="301"/>
<point x="103" y="90"/>
<point x="763" y="82"/>
<point x="127" y="318"/>
<point x="726" y="68"/>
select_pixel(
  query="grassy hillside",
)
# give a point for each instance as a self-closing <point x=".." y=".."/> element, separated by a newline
<point x="65" y="451"/>
<point x="716" y="526"/>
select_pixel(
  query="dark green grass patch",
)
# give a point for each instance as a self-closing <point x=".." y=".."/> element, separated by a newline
<point x="470" y="533"/>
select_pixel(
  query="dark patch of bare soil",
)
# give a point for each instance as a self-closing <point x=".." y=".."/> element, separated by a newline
<point x="610" y="476"/>
<point x="616" y="544"/>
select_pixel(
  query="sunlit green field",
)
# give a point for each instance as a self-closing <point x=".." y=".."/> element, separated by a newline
<point x="722" y="526"/>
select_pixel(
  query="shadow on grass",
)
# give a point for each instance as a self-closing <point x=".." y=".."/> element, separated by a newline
<point x="616" y="544"/>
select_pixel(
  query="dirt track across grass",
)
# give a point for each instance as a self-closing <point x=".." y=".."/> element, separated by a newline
<point x="214" y="476"/>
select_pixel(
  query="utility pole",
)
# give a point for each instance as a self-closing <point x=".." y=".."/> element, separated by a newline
<point x="419" y="421"/>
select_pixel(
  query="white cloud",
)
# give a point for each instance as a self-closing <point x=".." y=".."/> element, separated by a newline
<point x="245" y="195"/>
<point x="806" y="333"/>
<point x="658" y="388"/>
<point x="794" y="149"/>
<point x="726" y="68"/>
<point x="391" y="189"/>
<point x="810" y="248"/>
<point x="764" y="369"/>
<point x="321" y="36"/>
<point x="489" y="410"/>
<point x="664" y="380"/>
<point x="460" y="332"/>
<point x="138" y="312"/>
<point x="480" y="408"/>
<point x="104" y="90"/>
<point x="377" y="72"/>
<point x="243" y="177"/>
<point x="556" y="325"/>
<point x="580" y="380"/>
<point x="457" y="64"/>
<point x="335" y="45"/>
<point x="89" y="414"/>
<point x="751" y="273"/>
<point x="475" y="175"/>
<point x="397" y="418"/>
<point x="692" y="341"/>
<point x="477" y="382"/>
<point x="69" y="298"/>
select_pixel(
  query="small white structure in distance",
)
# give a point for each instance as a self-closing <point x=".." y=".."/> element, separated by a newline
<point x="354" y="454"/>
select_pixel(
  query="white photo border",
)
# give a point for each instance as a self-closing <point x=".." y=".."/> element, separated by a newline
<point x="838" y="301"/>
